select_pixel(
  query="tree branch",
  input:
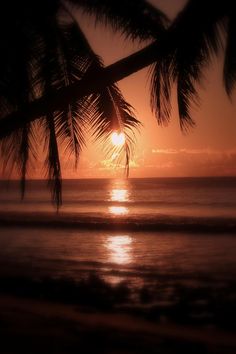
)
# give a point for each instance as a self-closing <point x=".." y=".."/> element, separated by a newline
<point x="91" y="83"/>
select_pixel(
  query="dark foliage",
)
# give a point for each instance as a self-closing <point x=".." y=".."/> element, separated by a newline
<point x="187" y="47"/>
<point x="44" y="50"/>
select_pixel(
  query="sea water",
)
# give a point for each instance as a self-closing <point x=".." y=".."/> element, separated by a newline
<point x="158" y="235"/>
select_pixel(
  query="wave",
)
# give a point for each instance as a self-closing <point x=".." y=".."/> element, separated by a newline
<point x="129" y="203"/>
<point x="96" y="221"/>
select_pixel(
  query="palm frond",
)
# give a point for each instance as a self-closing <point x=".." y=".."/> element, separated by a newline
<point x="16" y="91"/>
<point x="186" y="95"/>
<point x="24" y="157"/>
<point x="18" y="65"/>
<point x="230" y="56"/>
<point x="161" y="84"/>
<point x="112" y="113"/>
<point x="52" y="54"/>
<point x="195" y="44"/>
<point x="50" y="76"/>
<point x="107" y="110"/>
<point x="188" y="46"/>
<point x="52" y="161"/>
<point x="135" y="19"/>
<point x="63" y="61"/>
<point x="75" y="61"/>
<point x="18" y="153"/>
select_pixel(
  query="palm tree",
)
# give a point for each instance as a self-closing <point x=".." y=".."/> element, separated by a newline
<point x="59" y="79"/>
<point x="52" y="54"/>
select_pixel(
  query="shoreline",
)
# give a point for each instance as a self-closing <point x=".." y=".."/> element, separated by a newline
<point x="81" y="221"/>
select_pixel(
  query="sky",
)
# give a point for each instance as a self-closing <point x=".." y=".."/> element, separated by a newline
<point x="209" y="149"/>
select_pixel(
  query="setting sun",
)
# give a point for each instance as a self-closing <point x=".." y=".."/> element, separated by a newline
<point x="117" y="139"/>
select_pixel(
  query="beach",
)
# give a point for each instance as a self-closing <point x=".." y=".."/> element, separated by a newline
<point x="34" y="326"/>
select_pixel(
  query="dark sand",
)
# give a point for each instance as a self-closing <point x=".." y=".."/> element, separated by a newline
<point x="35" y="326"/>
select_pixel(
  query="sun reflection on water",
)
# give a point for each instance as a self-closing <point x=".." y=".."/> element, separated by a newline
<point x="118" y="210"/>
<point x="119" y="249"/>
<point x="119" y="195"/>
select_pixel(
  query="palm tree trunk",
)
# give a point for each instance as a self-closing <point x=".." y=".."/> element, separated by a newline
<point x="91" y="83"/>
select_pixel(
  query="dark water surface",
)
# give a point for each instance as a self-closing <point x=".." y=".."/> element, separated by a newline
<point x="183" y="276"/>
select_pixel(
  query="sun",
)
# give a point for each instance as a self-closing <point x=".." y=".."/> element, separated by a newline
<point x="117" y="139"/>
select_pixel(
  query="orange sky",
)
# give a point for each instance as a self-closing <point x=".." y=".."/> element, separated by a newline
<point x="209" y="149"/>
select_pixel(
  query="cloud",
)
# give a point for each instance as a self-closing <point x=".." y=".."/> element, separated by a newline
<point x="188" y="162"/>
<point x="164" y="151"/>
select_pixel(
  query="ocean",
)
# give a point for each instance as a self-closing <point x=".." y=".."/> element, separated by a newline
<point x="163" y="247"/>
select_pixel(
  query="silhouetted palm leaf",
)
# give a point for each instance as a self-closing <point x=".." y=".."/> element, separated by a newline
<point x="230" y="55"/>
<point x="15" y="92"/>
<point x="52" y="53"/>
<point x="75" y="61"/>
<point x="187" y="48"/>
<point x="162" y="80"/>
<point x="112" y="113"/>
<point x="18" y="152"/>
<point x="135" y="19"/>
<point x="108" y="110"/>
